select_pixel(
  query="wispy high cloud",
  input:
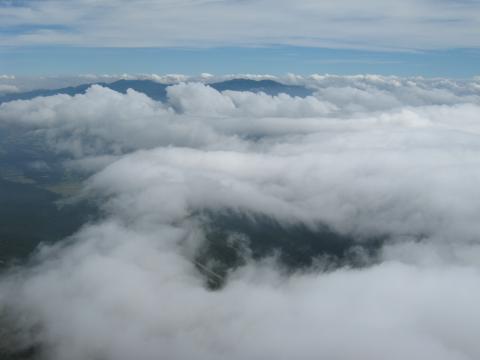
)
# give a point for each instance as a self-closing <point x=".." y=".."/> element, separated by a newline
<point x="371" y="24"/>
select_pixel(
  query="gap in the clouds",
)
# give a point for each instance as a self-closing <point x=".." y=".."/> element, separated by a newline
<point x="34" y="188"/>
<point x="233" y="239"/>
<point x="16" y="341"/>
<point x="30" y="216"/>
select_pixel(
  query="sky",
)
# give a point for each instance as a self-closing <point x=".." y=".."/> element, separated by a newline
<point x="389" y="166"/>
<point x="408" y="38"/>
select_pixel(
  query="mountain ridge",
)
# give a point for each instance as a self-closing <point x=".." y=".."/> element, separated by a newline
<point x="157" y="91"/>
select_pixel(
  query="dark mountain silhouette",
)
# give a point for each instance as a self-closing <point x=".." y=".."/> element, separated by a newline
<point x="158" y="92"/>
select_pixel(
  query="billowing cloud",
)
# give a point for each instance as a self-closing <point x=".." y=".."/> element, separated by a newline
<point x="368" y="157"/>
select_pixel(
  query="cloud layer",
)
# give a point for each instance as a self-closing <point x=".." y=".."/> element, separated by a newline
<point x="411" y="24"/>
<point x="368" y="157"/>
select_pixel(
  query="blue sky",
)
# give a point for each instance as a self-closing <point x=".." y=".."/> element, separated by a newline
<point x="412" y="37"/>
<point x="38" y="61"/>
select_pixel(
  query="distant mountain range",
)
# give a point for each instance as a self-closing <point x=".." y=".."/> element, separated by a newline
<point x="157" y="91"/>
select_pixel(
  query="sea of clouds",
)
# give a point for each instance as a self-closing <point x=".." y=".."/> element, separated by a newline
<point x="366" y="156"/>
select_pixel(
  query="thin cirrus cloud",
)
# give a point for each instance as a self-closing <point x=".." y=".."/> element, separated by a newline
<point x="367" y="156"/>
<point x="423" y="24"/>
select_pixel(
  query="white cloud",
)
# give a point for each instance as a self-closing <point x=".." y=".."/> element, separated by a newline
<point x="119" y="294"/>
<point x="368" y="156"/>
<point x="7" y="88"/>
<point x="411" y="24"/>
<point x="197" y="98"/>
